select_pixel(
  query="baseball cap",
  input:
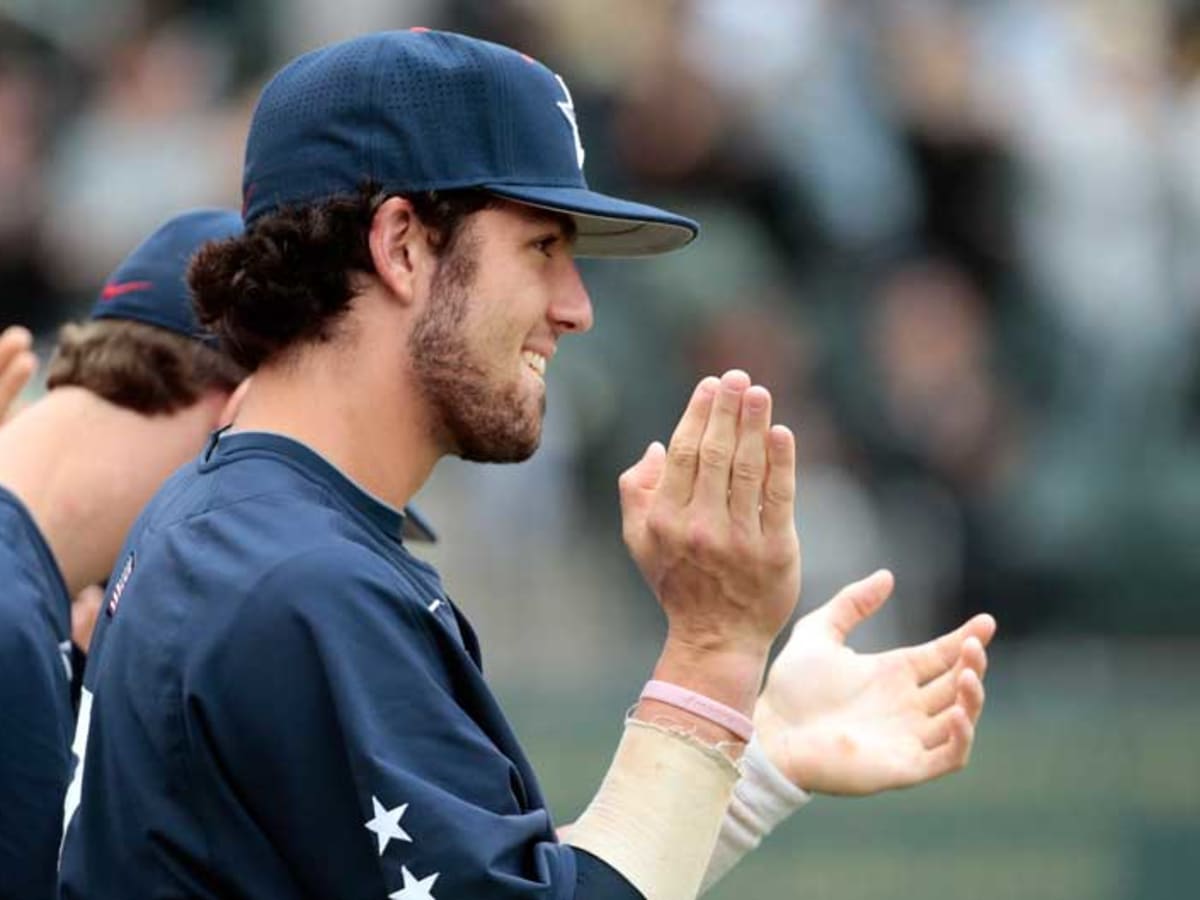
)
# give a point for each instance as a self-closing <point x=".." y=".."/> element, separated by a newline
<point x="422" y="110"/>
<point x="150" y="284"/>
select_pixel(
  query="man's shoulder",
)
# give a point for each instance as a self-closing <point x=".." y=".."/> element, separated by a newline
<point x="21" y="541"/>
<point x="239" y="524"/>
<point x="34" y="617"/>
<point x="199" y="488"/>
<point x="32" y="594"/>
<point x="336" y="579"/>
<point x="26" y="612"/>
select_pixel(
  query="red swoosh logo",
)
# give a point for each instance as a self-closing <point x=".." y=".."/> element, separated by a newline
<point x="123" y="287"/>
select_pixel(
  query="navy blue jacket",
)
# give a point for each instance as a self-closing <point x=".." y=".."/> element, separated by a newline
<point x="36" y="717"/>
<point x="285" y="704"/>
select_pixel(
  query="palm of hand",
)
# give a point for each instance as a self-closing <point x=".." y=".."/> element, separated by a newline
<point x="839" y="722"/>
<point x="848" y="723"/>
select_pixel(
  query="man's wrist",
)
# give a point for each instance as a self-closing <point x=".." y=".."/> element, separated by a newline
<point x="732" y="676"/>
<point x="770" y="733"/>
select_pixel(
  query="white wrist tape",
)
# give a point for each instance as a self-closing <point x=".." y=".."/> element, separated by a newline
<point x="656" y="816"/>
<point x="762" y="799"/>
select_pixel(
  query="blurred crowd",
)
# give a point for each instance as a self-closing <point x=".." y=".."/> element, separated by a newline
<point x="958" y="239"/>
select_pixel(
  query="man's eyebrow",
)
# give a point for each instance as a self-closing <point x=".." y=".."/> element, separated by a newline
<point x="539" y="216"/>
<point x="564" y="223"/>
<point x="569" y="229"/>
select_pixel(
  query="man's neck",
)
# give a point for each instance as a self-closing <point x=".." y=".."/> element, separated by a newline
<point x="373" y="430"/>
<point x="84" y="469"/>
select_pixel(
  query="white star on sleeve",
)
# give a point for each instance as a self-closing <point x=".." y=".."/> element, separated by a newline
<point x="386" y="824"/>
<point x="414" y="888"/>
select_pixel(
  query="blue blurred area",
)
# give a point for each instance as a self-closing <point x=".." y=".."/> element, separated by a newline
<point x="959" y="242"/>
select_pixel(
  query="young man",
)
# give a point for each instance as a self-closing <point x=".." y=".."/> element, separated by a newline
<point x="283" y="702"/>
<point x="133" y="393"/>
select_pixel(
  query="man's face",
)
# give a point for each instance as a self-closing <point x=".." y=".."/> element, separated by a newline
<point x="503" y="294"/>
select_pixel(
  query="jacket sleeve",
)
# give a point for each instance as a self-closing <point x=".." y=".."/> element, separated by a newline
<point x="35" y="737"/>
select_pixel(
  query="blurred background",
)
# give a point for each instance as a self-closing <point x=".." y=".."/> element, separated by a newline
<point x="958" y="239"/>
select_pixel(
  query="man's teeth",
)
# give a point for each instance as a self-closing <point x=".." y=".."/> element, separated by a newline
<point x="535" y="361"/>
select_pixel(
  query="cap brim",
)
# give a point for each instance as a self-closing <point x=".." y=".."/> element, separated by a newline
<point x="607" y="226"/>
<point x="416" y="527"/>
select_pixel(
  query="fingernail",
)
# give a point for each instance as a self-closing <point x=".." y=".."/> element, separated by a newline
<point x="756" y="401"/>
<point x="735" y="380"/>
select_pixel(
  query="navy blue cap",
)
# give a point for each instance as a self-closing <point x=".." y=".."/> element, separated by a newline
<point x="150" y="284"/>
<point x="424" y="110"/>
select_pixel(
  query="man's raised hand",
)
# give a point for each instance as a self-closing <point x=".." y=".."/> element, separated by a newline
<point x="710" y="520"/>
<point x="839" y="722"/>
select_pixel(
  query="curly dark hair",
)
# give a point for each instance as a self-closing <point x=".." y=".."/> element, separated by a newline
<point x="139" y="367"/>
<point x="288" y="279"/>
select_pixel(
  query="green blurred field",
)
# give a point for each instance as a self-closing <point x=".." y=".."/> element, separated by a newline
<point x="1085" y="784"/>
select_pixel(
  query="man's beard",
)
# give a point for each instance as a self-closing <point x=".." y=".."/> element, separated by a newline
<point x="479" y="420"/>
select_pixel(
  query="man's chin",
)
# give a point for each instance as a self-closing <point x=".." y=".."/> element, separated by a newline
<point x="509" y="453"/>
<point x="509" y="447"/>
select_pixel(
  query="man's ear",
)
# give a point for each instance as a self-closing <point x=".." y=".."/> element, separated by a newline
<point x="399" y="246"/>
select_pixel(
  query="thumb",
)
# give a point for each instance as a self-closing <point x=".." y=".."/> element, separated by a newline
<point x="644" y="474"/>
<point x="637" y="484"/>
<point x="84" y="610"/>
<point x="857" y="602"/>
<point x="650" y="466"/>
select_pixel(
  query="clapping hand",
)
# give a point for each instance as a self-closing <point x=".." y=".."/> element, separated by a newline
<point x="710" y="521"/>
<point x="839" y="722"/>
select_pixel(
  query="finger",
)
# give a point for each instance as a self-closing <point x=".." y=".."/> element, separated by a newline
<point x="719" y="442"/>
<point x="982" y="626"/>
<point x="750" y="458"/>
<point x="955" y="752"/>
<point x="14" y="340"/>
<point x="637" y="483"/>
<point x="971" y="694"/>
<point x="936" y="730"/>
<point x="779" y="491"/>
<point x="931" y="659"/>
<point x="974" y="657"/>
<point x="683" y="453"/>
<point x="968" y="706"/>
<point x="647" y="472"/>
<point x="939" y="693"/>
<point x="14" y="376"/>
<point x="857" y="602"/>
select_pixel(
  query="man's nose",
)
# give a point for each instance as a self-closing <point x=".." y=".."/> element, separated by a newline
<point x="571" y="309"/>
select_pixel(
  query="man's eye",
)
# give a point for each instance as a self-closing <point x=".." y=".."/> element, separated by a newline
<point x="546" y="244"/>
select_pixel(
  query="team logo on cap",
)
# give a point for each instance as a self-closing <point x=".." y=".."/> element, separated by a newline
<point x="567" y="108"/>
<point x="112" y="291"/>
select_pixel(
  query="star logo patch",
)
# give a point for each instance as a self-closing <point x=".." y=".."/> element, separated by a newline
<point x="386" y="824"/>
<point x="415" y="888"/>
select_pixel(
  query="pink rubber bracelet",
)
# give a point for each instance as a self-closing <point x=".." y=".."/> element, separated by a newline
<point x="699" y="705"/>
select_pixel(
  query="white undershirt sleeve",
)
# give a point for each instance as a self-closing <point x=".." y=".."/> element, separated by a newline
<point x="762" y="799"/>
